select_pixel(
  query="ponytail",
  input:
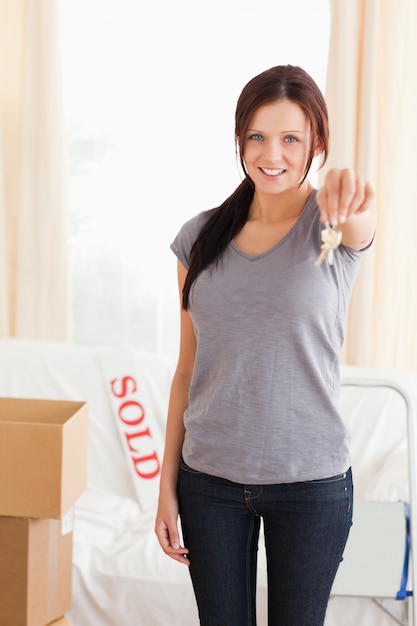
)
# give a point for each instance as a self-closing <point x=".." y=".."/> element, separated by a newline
<point x="224" y="223"/>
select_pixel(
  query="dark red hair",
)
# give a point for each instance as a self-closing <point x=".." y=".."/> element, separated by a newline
<point x="284" y="82"/>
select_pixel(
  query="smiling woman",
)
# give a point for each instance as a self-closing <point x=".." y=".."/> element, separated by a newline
<point x="276" y="149"/>
<point x="254" y="429"/>
<point x="148" y="110"/>
<point x="280" y="149"/>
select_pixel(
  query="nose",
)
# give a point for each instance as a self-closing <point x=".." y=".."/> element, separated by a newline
<point x="274" y="150"/>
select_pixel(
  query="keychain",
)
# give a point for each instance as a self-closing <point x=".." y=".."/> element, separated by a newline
<point x="331" y="239"/>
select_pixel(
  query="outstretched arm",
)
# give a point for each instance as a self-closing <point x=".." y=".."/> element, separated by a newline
<point x="346" y="200"/>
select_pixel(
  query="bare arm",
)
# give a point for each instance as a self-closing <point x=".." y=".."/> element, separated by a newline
<point x="346" y="200"/>
<point x="166" y="525"/>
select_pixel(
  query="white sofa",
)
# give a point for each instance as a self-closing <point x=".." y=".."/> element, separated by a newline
<point x="120" y="575"/>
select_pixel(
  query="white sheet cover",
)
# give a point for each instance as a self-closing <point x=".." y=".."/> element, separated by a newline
<point x="120" y="575"/>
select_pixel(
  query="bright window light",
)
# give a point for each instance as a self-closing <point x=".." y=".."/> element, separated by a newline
<point x="149" y="95"/>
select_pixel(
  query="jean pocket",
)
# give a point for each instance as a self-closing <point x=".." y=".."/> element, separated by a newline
<point x="331" y="488"/>
<point x="326" y="481"/>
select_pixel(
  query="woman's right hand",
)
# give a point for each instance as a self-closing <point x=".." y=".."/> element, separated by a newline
<point x="166" y="529"/>
<point x="166" y="523"/>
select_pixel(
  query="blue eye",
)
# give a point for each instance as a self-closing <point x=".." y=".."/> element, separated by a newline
<point x="291" y="139"/>
<point x="255" y="137"/>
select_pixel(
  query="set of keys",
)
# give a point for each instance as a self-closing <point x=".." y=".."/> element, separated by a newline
<point x="331" y="239"/>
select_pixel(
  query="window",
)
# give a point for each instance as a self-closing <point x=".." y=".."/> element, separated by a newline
<point x="149" y="96"/>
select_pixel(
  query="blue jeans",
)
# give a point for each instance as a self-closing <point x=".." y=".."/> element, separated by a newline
<point x="306" y="525"/>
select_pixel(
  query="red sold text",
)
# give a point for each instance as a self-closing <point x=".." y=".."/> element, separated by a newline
<point x="137" y="433"/>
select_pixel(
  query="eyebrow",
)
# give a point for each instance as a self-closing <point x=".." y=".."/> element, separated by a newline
<point x="254" y="130"/>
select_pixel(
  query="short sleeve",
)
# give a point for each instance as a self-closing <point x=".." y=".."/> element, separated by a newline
<point x="356" y="255"/>
<point x="183" y="242"/>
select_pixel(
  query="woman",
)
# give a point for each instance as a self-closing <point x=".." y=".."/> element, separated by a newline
<point x="253" y="428"/>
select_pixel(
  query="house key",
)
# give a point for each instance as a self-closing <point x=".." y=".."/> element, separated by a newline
<point x="331" y="239"/>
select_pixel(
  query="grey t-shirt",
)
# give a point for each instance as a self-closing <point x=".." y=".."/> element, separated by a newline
<point x="263" y="402"/>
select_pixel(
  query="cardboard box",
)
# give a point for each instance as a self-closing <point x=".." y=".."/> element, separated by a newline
<point x="43" y="456"/>
<point x="62" y="621"/>
<point x="35" y="571"/>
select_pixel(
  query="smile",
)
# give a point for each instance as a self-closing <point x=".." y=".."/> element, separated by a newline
<point x="269" y="172"/>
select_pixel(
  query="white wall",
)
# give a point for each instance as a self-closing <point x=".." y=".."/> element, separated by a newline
<point x="149" y="93"/>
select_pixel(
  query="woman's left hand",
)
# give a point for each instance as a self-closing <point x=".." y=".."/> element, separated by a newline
<point x="343" y="194"/>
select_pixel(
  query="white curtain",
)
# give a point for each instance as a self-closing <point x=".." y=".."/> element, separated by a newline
<point x="4" y="313"/>
<point x="372" y="98"/>
<point x="33" y="223"/>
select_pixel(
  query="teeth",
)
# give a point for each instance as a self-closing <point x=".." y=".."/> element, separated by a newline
<point x="272" y="172"/>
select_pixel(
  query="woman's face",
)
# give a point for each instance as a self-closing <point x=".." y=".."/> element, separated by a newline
<point x="276" y="146"/>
